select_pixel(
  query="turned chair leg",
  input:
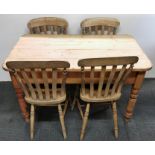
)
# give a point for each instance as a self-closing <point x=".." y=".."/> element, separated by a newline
<point x="115" y="118"/>
<point x="85" y="120"/>
<point x="32" y="119"/>
<point x="61" y="116"/>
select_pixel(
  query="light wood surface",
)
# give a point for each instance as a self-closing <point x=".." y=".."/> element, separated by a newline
<point x="74" y="47"/>
<point x="71" y="48"/>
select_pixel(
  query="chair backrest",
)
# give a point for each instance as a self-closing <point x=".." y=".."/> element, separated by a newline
<point x="39" y="78"/>
<point x="113" y="73"/>
<point x="48" y="25"/>
<point x="99" y="26"/>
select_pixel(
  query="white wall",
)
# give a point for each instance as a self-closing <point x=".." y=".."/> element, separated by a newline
<point x="142" y="27"/>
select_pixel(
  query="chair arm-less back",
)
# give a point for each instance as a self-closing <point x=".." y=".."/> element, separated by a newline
<point x="48" y="25"/>
<point x="113" y="73"/>
<point x="39" y="79"/>
<point x="99" y="26"/>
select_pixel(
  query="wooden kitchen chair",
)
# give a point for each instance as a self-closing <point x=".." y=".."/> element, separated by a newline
<point x="43" y="84"/>
<point x="112" y="75"/>
<point x="48" y="25"/>
<point x="99" y="26"/>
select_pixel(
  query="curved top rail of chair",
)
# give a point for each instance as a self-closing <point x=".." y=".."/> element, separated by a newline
<point x="100" y="21"/>
<point x="37" y="64"/>
<point x="108" y="61"/>
<point x="47" y="21"/>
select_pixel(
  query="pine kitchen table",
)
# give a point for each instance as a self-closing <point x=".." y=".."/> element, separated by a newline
<point x="71" y="48"/>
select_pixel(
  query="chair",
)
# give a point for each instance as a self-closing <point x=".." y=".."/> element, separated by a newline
<point x="99" y="26"/>
<point x="43" y="84"/>
<point x="112" y="73"/>
<point x="48" y="25"/>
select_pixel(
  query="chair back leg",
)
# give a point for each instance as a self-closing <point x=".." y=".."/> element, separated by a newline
<point x="61" y="116"/>
<point x="115" y="118"/>
<point x="32" y="119"/>
<point x="79" y="107"/>
<point x="65" y="107"/>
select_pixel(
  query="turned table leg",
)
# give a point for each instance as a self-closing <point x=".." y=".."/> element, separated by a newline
<point x="21" y="101"/>
<point x="134" y="94"/>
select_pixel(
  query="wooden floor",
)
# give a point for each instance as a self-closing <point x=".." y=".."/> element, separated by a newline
<point x="141" y="127"/>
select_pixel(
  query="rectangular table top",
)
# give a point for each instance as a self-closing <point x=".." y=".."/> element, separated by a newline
<point x="71" y="48"/>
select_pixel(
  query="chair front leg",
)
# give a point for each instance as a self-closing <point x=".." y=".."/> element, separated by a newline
<point x="85" y="120"/>
<point x="61" y="116"/>
<point x="115" y="118"/>
<point x="32" y="119"/>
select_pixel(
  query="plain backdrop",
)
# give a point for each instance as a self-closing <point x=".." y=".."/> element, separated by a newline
<point x="142" y="27"/>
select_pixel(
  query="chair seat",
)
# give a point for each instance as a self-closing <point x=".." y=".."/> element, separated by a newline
<point x="52" y="102"/>
<point x="108" y="98"/>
